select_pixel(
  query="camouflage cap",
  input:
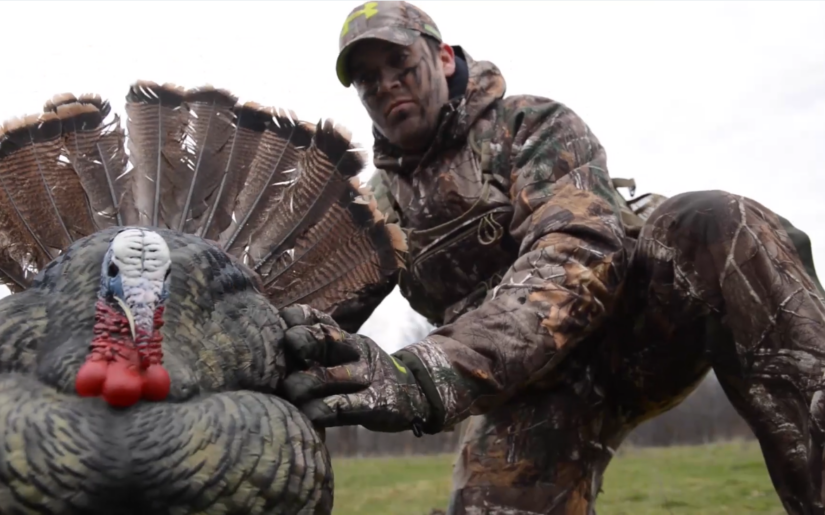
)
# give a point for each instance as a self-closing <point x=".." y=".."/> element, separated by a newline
<point x="397" y="22"/>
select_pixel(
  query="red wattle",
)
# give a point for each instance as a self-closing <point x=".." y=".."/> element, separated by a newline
<point x="123" y="385"/>
<point x="156" y="383"/>
<point x="90" y="378"/>
<point x="120" y="369"/>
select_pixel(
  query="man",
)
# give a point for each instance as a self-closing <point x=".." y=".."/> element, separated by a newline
<point x="555" y="304"/>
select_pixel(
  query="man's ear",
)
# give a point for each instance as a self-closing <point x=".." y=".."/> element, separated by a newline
<point x="447" y="57"/>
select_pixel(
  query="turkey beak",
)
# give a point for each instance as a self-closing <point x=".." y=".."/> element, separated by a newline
<point x="129" y="316"/>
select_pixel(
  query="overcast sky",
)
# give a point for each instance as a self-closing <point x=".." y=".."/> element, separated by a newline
<point x="684" y="95"/>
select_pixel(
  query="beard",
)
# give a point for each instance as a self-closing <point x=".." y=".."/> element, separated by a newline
<point x="410" y="129"/>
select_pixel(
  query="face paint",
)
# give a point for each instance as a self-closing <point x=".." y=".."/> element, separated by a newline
<point x="402" y="89"/>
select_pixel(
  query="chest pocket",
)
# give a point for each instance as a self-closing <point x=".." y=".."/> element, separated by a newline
<point x="457" y="262"/>
<point x="451" y="266"/>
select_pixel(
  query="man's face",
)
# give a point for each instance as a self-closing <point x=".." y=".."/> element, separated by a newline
<point x="402" y="88"/>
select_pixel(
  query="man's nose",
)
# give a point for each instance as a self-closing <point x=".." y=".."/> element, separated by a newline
<point x="388" y="81"/>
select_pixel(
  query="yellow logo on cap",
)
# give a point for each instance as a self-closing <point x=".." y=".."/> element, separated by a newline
<point x="369" y="10"/>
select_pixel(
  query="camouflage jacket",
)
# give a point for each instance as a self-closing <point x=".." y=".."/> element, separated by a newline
<point x="517" y="242"/>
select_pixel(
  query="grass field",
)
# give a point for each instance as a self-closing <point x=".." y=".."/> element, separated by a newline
<point x="728" y="478"/>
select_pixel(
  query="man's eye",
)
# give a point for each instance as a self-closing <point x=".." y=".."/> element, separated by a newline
<point x="362" y="79"/>
<point x="399" y="60"/>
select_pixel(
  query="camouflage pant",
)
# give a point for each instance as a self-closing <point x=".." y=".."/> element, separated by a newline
<point x="715" y="281"/>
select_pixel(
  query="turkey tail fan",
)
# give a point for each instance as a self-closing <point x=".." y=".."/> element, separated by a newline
<point x="308" y="228"/>
<point x="279" y="194"/>
<point x="346" y="255"/>
<point x="267" y="187"/>
<point x="61" y="175"/>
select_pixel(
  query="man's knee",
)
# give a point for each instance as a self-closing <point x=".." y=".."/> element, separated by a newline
<point x="686" y="205"/>
<point x="699" y="216"/>
<point x="713" y="219"/>
<point x="715" y="214"/>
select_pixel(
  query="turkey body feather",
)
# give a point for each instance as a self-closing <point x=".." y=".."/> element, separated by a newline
<point x="258" y="210"/>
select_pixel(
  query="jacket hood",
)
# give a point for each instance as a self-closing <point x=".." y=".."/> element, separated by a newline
<point x="473" y="88"/>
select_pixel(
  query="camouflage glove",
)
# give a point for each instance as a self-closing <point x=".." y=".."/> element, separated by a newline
<point x="347" y="379"/>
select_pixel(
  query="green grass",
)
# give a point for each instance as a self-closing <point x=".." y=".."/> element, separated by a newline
<point x="712" y="479"/>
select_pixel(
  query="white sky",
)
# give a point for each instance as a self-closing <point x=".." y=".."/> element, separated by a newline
<point x="684" y="95"/>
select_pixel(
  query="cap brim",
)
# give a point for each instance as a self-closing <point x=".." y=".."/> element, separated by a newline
<point x="398" y="35"/>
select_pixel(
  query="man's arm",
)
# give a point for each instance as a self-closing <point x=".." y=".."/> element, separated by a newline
<point x="571" y="262"/>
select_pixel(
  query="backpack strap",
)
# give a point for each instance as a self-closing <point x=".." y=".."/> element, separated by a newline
<point x="630" y="184"/>
<point x="632" y="222"/>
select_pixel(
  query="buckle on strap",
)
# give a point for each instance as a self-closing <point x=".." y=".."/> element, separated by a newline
<point x="489" y="230"/>
<point x="416" y="427"/>
<point x="630" y="184"/>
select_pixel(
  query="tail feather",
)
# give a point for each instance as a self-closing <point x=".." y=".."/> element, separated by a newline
<point x="18" y="240"/>
<point x="320" y="180"/>
<point x="280" y="194"/>
<point x="96" y="151"/>
<point x="15" y="272"/>
<point x="350" y="248"/>
<point x="273" y="170"/>
<point x="157" y="124"/>
<point x="251" y="122"/>
<point x="92" y="99"/>
<point x="208" y="139"/>
<point x="39" y="188"/>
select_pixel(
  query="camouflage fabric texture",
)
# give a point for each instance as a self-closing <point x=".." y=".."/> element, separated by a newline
<point x="562" y="326"/>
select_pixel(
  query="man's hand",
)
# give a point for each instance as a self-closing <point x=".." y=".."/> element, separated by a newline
<point x="346" y="379"/>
